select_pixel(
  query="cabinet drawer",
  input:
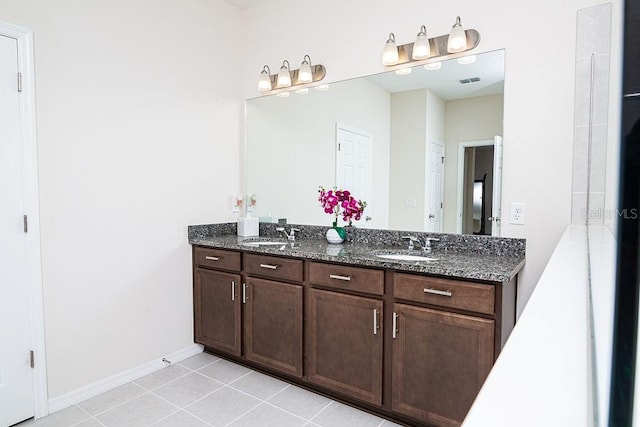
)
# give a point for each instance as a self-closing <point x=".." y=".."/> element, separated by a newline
<point x="345" y="277"/>
<point x="445" y="292"/>
<point x="273" y="267"/>
<point x="217" y="258"/>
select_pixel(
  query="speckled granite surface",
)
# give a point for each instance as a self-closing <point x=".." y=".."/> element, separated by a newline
<point x="462" y="256"/>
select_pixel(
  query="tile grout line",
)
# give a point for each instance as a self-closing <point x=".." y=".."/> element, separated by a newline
<point x="286" y="411"/>
<point x="179" y="408"/>
<point x="321" y="410"/>
<point x="191" y="371"/>
<point x="201" y="367"/>
<point x="164" y="418"/>
<point x="177" y="412"/>
<point x="243" y="414"/>
<point x="278" y="392"/>
<point x="144" y="391"/>
<point x="86" y="419"/>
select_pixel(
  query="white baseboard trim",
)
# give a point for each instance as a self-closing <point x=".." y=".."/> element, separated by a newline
<point x="90" y="390"/>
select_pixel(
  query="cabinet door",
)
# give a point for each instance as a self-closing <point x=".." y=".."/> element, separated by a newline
<point x="217" y="310"/>
<point x="440" y="361"/>
<point x="345" y="344"/>
<point x="273" y="325"/>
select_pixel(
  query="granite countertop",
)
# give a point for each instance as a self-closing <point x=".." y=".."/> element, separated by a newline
<point x="450" y="262"/>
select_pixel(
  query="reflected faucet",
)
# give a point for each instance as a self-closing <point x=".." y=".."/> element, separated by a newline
<point x="424" y="244"/>
<point x="291" y="235"/>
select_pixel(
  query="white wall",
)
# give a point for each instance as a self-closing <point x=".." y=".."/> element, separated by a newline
<point x="296" y="136"/>
<point x="407" y="160"/>
<point x="138" y="107"/>
<point x="436" y="117"/>
<point x="347" y="37"/>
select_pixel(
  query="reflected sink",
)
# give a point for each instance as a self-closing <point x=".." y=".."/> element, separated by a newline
<point x="405" y="257"/>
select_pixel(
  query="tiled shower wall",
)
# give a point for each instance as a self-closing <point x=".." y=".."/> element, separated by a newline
<point x="593" y="48"/>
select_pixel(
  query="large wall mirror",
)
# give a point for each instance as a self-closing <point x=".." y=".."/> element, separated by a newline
<point x="423" y="149"/>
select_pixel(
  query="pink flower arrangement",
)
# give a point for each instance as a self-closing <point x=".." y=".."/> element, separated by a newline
<point x="341" y="203"/>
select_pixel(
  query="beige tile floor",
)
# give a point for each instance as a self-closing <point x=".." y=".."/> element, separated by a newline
<point x="205" y="390"/>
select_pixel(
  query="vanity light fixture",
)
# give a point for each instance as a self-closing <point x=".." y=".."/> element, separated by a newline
<point x="423" y="48"/>
<point x="264" y="82"/>
<point x="390" y="52"/>
<point x="286" y="77"/>
<point x="305" y="75"/>
<point x="457" y="38"/>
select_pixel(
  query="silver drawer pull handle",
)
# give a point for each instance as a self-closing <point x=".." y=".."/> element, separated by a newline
<point x="375" y="322"/>
<point x="339" y="277"/>
<point x="437" y="292"/>
<point x="212" y="258"/>
<point x="395" y="325"/>
<point x="269" y="266"/>
<point x="244" y="293"/>
<point x="233" y="290"/>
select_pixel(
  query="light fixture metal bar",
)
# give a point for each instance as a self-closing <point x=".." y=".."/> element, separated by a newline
<point x="438" y="47"/>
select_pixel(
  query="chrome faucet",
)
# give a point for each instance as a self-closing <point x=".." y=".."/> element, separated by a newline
<point x="424" y="244"/>
<point x="291" y="235"/>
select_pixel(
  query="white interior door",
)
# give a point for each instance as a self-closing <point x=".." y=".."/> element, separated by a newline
<point x="496" y="203"/>
<point x="16" y="381"/>
<point x="434" y="198"/>
<point x="354" y="167"/>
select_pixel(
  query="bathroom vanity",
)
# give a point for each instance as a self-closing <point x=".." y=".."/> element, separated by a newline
<point x="411" y="341"/>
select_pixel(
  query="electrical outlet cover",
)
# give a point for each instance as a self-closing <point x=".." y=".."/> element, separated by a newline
<point x="517" y="214"/>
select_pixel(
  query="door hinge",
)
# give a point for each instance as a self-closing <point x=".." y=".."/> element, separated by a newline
<point x="31" y="359"/>
<point x="19" y="82"/>
<point x="441" y="205"/>
<point x="25" y="223"/>
<point x="442" y="160"/>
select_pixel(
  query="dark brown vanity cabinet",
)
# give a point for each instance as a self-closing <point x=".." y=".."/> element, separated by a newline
<point x="405" y="345"/>
<point x="440" y="358"/>
<point x="217" y="306"/>
<point x="345" y="344"/>
<point x="273" y="314"/>
<point x="344" y="331"/>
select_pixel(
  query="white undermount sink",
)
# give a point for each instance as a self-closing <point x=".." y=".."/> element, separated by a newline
<point x="258" y="243"/>
<point x="405" y="257"/>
